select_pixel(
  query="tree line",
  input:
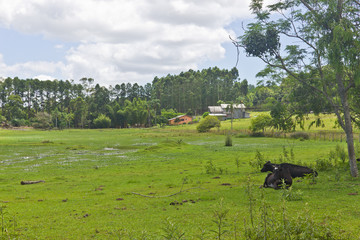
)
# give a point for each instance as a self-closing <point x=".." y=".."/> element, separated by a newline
<point x="66" y="104"/>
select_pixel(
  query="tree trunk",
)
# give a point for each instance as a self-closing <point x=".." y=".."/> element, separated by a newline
<point x="348" y="127"/>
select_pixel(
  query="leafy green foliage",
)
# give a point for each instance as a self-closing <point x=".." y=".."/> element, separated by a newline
<point x="207" y="123"/>
<point x="260" y="42"/>
<point x="102" y="121"/>
<point x="205" y="114"/>
<point x="257" y="162"/>
<point x="42" y="121"/>
<point x="14" y="107"/>
<point x="260" y="122"/>
<point x="325" y="60"/>
<point x="291" y="195"/>
<point x="281" y="118"/>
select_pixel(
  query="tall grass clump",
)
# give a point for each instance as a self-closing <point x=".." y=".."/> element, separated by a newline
<point x="335" y="158"/>
<point x="290" y="195"/>
<point x="228" y="141"/>
<point x="220" y="214"/>
<point x="8" y="224"/>
<point x="172" y="231"/>
<point x="210" y="168"/>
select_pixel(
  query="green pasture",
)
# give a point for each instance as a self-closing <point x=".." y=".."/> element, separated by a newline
<point x="165" y="183"/>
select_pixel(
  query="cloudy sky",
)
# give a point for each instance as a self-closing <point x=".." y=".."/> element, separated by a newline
<point x="116" y="41"/>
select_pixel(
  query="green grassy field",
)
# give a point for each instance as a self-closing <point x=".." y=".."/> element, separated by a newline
<point x="169" y="183"/>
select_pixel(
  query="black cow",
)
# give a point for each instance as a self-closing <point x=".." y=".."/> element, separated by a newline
<point x="295" y="170"/>
<point x="279" y="176"/>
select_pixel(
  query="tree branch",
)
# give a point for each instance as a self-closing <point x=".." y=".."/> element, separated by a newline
<point x="308" y="7"/>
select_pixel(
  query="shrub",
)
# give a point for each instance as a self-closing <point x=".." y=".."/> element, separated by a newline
<point x="341" y="153"/>
<point x="18" y="122"/>
<point x="42" y="121"/>
<point x="290" y="195"/>
<point x="260" y="122"/>
<point x="323" y="164"/>
<point x="207" y="123"/>
<point x="210" y="168"/>
<point x="228" y="141"/>
<point x="102" y="121"/>
<point x="195" y="120"/>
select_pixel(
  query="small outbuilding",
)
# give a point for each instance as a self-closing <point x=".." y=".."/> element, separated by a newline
<point x="181" y="119"/>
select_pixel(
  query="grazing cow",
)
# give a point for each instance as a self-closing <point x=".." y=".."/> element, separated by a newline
<point x="295" y="170"/>
<point x="279" y="176"/>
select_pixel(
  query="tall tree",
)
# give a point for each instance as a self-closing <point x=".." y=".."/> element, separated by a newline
<point x="328" y="31"/>
<point x="79" y="110"/>
<point x="14" y="108"/>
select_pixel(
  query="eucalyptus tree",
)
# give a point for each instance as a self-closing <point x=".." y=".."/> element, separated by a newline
<point x="79" y="111"/>
<point x="326" y="33"/>
<point x="122" y="92"/>
<point x="88" y="85"/>
<point x="154" y="104"/>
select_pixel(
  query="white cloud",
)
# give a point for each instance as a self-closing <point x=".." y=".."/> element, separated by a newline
<point x="124" y="40"/>
<point x="59" y="46"/>
<point x="33" y="69"/>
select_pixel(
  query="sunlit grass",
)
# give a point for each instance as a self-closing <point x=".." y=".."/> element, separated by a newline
<point x="91" y="177"/>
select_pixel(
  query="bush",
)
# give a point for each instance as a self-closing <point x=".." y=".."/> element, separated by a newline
<point x="260" y="122"/>
<point x="102" y="121"/>
<point x="323" y="164"/>
<point x="228" y="141"/>
<point x="207" y="123"/>
<point x="18" y="122"/>
<point x="341" y="153"/>
<point x="42" y="121"/>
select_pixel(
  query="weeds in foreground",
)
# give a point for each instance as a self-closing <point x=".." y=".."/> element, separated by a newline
<point x="265" y="221"/>
<point x="258" y="161"/>
<point x="172" y="230"/>
<point x="237" y="163"/>
<point x="210" y="168"/>
<point x="289" y="194"/>
<point x="8" y="224"/>
<point x="220" y="221"/>
<point x="283" y="225"/>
